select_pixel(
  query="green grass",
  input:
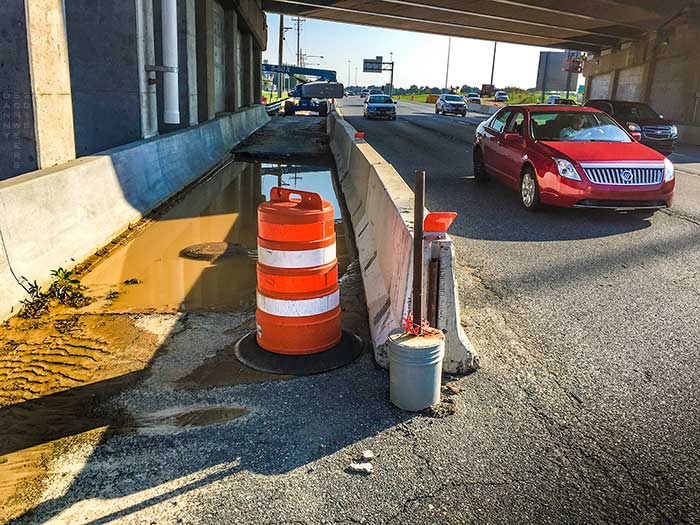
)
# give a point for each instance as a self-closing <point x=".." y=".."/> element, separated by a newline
<point x="416" y="98"/>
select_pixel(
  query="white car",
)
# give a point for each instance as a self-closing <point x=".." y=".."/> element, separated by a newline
<point x="474" y="98"/>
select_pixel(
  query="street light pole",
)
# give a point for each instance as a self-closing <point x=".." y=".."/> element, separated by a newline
<point x="355" y="77"/>
<point x="348" y="72"/>
<point x="280" y="52"/>
<point x="493" y="63"/>
<point x="447" y="71"/>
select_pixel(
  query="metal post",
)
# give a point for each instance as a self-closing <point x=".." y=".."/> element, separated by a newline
<point x="447" y="71"/>
<point x="391" y="81"/>
<point x="280" y="52"/>
<point x="419" y="205"/>
<point x="355" y="77"/>
<point x="348" y="73"/>
<point x="544" y="75"/>
<point x="493" y="63"/>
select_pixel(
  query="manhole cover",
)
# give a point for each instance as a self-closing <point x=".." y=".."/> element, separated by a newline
<point x="213" y="251"/>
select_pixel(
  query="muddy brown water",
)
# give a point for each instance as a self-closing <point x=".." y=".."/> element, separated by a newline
<point x="198" y="255"/>
<point x="201" y="254"/>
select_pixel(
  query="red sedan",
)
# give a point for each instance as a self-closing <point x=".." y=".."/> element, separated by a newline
<point x="572" y="157"/>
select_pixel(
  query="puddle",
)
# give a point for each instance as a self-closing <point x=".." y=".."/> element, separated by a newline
<point x="201" y="254"/>
<point x="172" y="420"/>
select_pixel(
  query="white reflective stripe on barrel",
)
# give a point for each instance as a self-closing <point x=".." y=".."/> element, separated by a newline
<point x="296" y="259"/>
<point x="299" y="308"/>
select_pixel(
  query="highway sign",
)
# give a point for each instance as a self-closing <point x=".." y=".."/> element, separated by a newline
<point x="372" y="65"/>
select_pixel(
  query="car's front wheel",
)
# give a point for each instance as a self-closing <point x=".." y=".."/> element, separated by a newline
<point x="479" y="169"/>
<point x="437" y="110"/>
<point x="529" y="190"/>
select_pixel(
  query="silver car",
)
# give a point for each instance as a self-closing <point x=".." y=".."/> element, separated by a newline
<point x="450" y="104"/>
<point x="380" y="106"/>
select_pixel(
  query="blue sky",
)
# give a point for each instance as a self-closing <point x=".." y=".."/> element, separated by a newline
<point x="420" y="58"/>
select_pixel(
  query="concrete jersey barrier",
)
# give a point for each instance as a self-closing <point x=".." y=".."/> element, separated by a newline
<point x="482" y="108"/>
<point x="60" y="215"/>
<point x="381" y="211"/>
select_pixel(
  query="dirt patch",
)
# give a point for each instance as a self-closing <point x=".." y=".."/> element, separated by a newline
<point x="54" y="374"/>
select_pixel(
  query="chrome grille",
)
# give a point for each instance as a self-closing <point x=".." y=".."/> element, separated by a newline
<point x="657" y="132"/>
<point x="638" y="175"/>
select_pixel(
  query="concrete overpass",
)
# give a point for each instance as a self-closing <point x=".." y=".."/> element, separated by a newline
<point x="587" y="26"/>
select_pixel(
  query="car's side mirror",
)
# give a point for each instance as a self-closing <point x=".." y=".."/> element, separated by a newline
<point x="512" y="137"/>
<point x="395" y="102"/>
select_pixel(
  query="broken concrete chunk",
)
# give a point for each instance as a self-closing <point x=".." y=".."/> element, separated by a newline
<point x="366" y="455"/>
<point x="361" y="468"/>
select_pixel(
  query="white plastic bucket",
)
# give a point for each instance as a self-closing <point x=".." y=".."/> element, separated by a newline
<point x="415" y="370"/>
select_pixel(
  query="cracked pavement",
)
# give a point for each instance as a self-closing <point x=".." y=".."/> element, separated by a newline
<point x="585" y="409"/>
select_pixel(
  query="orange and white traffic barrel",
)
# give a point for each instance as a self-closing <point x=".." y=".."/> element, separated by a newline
<point x="298" y="300"/>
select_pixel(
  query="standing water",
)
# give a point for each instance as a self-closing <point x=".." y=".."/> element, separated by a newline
<point x="201" y="254"/>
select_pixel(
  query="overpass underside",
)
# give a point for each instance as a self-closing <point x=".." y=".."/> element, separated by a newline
<point x="592" y="25"/>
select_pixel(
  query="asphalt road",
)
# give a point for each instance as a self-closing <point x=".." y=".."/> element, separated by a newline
<point x="588" y="325"/>
<point x="585" y="410"/>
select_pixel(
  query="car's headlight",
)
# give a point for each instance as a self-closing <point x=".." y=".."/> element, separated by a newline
<point x="634" y="127"/>
<point x="566" y="169"/>
<point x="669" y="170"/>
<point x="674" y="131"/>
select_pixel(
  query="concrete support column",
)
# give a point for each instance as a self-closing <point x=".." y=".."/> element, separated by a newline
<point x="649" y="70"/>
<point x="204" y="18"/>
<point x="257" y="75"/>
<point x="693" y="74"/>
<point x="191" y="61"/>
<point x="50" y="82"/>
<point x="248" y="68"/>
<point x="146" y="57"/>
<point x="231" y="60"/>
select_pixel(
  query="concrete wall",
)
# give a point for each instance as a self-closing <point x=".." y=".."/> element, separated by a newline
<point x="58" y="216"/>
<point x="381" y="211"/>
<point x="17" y="142"/>
<point x="74" y="78"/>
<point x="104" y="75"/>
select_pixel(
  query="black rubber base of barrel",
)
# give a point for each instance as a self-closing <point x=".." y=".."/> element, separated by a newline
<point x="254" y="356"/>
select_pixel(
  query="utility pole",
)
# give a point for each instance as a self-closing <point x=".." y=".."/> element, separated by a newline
<point x="348" y="73"/>
<point x="493" y="63"/>
<point x="298" y="21"/>
<point x="447" y="72"/>
<point x="280" y="52"/>
<point x="355" y="77"/>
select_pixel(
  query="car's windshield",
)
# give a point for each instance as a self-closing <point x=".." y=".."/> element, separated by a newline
<point x="453" y="98"/>
<point x="379" y="99"/>
<point x="473" y="95"/>
<point x="375" y="91"/>
<point x="635" y="110"/>
<point x="576" y="126"/>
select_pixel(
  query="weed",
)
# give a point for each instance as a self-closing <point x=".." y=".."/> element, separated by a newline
<point x="64" y="288"/>
<point x="112" y="296"/>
